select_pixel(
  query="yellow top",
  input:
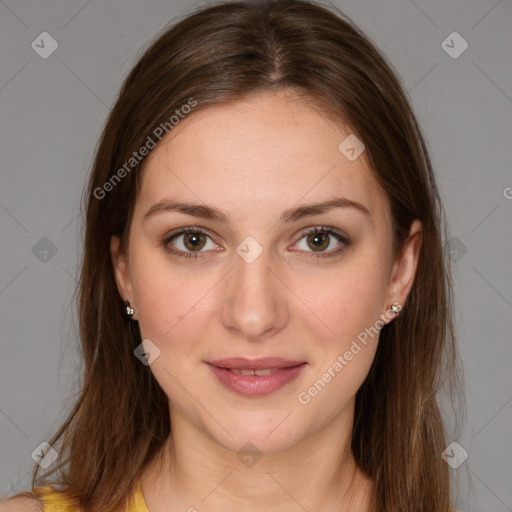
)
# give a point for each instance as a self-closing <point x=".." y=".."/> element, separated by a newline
<point x="54" y="501"/>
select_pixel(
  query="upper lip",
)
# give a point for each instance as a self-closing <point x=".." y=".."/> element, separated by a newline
<point x="262" y="363"/>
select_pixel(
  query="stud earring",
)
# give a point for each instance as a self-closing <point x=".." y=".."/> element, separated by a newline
<point x="128" y="308"/>
<point x="396" y="308"/>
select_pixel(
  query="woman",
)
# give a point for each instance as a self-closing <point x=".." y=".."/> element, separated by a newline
<point x="265" y="309"/>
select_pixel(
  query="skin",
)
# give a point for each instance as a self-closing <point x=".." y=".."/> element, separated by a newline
<point x="252" y="160"/>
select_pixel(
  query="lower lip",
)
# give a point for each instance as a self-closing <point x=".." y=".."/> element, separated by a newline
<point x="256" y="385"/>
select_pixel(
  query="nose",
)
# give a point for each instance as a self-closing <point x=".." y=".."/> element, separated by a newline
<point x="255" y="304"/>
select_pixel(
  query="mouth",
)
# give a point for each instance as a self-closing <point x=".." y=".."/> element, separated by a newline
<point x="239" y="371"/>
<point x="256" y="377"/>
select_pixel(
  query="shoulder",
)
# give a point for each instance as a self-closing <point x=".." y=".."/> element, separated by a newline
<point x="41" y="499"/>
<point x="21" y="504"/>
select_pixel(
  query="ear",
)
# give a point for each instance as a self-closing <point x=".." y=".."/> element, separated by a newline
<point x="121" y="270"/>
<point x="404" y="268"/>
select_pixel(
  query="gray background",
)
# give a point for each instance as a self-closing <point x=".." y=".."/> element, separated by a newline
<point x="53" y="110"/>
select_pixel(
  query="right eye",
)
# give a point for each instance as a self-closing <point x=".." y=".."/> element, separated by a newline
<point x="193" y="239"/>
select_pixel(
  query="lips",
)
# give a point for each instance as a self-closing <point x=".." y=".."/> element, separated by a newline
<point x="256" y="377"/>
<point x="263" y="363"/>
<point x="268" y="371"/>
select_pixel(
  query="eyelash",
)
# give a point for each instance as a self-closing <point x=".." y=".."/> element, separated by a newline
<point x="323" y="229"/>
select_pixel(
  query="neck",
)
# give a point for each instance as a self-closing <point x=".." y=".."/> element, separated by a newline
<point x="196" y="473"/>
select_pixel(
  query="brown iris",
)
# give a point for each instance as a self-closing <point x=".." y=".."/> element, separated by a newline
<point x="316" y="239"/>
<point x="195" y="241"/>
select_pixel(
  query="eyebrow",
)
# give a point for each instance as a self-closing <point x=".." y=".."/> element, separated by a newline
<point x="291" y="215"/>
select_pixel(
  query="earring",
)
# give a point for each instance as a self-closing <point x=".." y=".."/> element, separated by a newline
<point x="128" y="308"/>
<point x="396" y="307"/>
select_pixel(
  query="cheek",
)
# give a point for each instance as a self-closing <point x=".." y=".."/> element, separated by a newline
<point x="345" y="342"/>
<point x="170" y="301"/>
<point x="157" y="295"/>
<point x="346" y="300"/>
<point x="345" y="328"/>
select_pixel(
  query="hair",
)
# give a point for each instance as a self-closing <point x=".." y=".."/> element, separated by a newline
<point x="224" y="53"/>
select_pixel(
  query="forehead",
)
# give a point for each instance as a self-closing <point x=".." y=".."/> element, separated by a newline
<point x="261" y="152"/>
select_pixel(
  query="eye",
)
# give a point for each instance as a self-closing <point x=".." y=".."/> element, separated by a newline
<point x="189" y="241"/>
<point x="319" y="239"/>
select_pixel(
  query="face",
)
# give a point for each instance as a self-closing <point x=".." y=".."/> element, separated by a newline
<point x="258" y="275"/>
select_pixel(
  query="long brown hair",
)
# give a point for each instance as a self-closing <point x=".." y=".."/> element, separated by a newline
<point x="223" y="53"/>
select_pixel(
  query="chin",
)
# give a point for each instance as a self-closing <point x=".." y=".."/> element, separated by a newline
<point x="265" y="433"/>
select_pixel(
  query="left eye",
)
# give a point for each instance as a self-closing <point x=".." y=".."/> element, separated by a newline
<point x="319" y="240"/>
